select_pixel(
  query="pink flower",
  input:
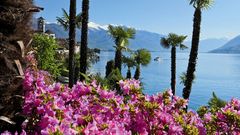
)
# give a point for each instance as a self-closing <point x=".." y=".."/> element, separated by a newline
<point x="91" y="128"/>
<point x="105" y="94"/>
<point x="28" y="81"/>
<point x="208" y="117"/>
<point x="59" y="103"/>
<point x="6" y="133"/>
<point x="23" y="133"/>
<point x="175" y="130"/>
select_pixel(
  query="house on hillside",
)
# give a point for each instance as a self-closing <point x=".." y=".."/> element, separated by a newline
<point x="63" y="43"/>
<point x="41" y="28"/>
<point x="50" y="34"/>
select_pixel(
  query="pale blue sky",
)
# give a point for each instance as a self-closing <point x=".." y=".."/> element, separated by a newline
<point x="161" y="16"/>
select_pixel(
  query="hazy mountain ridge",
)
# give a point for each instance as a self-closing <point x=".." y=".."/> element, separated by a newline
<point x="233" y="46"/>
<point x="210" y="44"/>
<point x="100" y="38"/>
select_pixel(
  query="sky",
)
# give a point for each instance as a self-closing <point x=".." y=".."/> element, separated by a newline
<point x="222" y="20"/>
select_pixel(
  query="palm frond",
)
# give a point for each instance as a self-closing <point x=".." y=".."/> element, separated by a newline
<point x="142" y="57"/>
<point x="131" y="33"/>
<point x="182" y="46"/>
<point x="172" y="36"/>
<point x="112" y="31"/>
<point x="121" y="35"/>
<point x="183" y="78"/>
<point x="206" y="4"/>
<point x="64" y="20"/>
<point x="63" y="23"/>
<point x="173" y="40"/>
<point x="128" y="61"/>
<point x="79" y="16"/>
<point x="202" y="4"/>
<point x="181" y="38"/>
<point x="164" y="43"/>
<point x="79" y="20"/>
<point x="124" y="42"/>
<point x="215" y="103"/>
<point x="65" y="14"/>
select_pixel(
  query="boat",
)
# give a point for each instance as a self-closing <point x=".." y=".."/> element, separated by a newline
<point x="157" y="59"/>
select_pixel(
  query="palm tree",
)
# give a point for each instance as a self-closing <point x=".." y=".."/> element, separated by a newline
<point x="64" y="21"/>
<point x="142" y="57"/>
<point x="70" y="23"/>
<point x="84" y="39"/>
<point x="72" y="38"/>
<point x="129" y="63"/>
<point x="174" y="41"/>
<point x="121" y="36"/>
<point x="199" y="5"/>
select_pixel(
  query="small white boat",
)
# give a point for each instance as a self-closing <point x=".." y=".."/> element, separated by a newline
<point x="157" y="59"/>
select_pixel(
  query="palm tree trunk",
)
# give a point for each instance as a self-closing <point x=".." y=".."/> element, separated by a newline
<point x="76" y="75"/>
<point x="193" y="54"/>
<point x="109" y="67"/>
<point x="137" y="73"/>
<point x="84" y="39"/>
<point x="118" y="60"/>
<point x="129" y="75"/>
<point x="173" y="70"/>
<point x="72" y="36"/>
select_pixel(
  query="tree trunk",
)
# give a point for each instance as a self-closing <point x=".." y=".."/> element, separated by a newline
<point x="193" y="54"/>
<point x="76" y="75"/>
<point x="137" y="73"/>
<point x="173" y="70"/>
<point x="84" y="39"/>
<point x="72" y="36"/>
<point x="129" y="75"/>
<point x="118" y="60"/>
<point x="109" y="67"/>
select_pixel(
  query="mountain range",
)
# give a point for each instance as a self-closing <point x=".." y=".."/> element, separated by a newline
<point x="100" y="38"/>
<point x="207" y="45"/>
<point x="233" y="46"/>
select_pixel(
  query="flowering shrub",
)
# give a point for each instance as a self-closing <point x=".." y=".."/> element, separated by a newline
<point x="87" y="108"/>
<point x="224" y="121"/>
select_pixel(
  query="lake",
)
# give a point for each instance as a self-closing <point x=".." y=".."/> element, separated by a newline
<point x="215" y="72"/>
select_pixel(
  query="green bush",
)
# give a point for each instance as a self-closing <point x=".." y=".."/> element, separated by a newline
<point x="214" y="105"/>
<point x="45" y="48"/>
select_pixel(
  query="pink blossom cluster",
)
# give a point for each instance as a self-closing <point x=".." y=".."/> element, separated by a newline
<point x="16" y="133"/>
<point x="89" y="109"/>
<point x="130" y="86"/>
<point x="224" y="121"/>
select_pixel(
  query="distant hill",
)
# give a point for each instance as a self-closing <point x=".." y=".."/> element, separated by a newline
<point x="207" y="45"/>
<point x="99" y="38"/>
<point x="233" y="46"/>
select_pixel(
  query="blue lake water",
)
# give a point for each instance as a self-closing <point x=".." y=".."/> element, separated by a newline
<point x="215" y="72"/>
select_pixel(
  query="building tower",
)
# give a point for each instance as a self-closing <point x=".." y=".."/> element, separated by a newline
<point x="41" y="24"/>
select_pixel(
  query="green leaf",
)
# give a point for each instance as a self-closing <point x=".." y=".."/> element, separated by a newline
<point x="216" y="103"/>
